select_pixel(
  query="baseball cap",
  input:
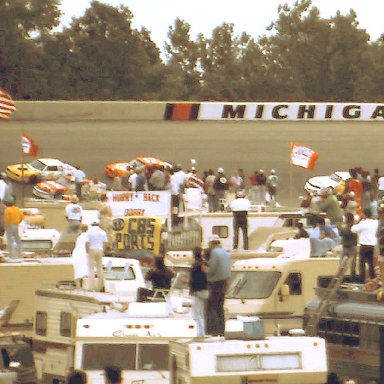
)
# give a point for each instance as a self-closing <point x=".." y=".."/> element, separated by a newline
<point x="220" y="170"/>
<point x="240" y="194"/>
<point x="213" y="238"/>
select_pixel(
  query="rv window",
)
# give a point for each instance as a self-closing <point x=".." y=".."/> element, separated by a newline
<point x="294" y="282"/>
<point x="237" y="363"/>
<point x="65" y="324"/>
<point x="98" y="356"/>
<point x="220" y="230"/>
<point x="41" y="323"/>
<point x="153" y="357"/>
<point x="252" y="284"/>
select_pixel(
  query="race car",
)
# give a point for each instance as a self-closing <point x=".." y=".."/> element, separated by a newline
<point x="119" y="168"/>
<point x="335" y="180"/>
<point x="54" y="189"/>
<point x="39" y="169"/>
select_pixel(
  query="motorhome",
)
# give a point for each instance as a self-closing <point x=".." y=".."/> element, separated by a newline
<point x="273" y="359"/>
<point x="20" y="278"/>
<point x="89" y="330"/>
<point x="276" y="289"/>
<point x="353" y="326"/>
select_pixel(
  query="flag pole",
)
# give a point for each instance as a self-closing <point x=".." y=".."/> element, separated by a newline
<point x="290" y="184"/>
<point x="22" y="171"/>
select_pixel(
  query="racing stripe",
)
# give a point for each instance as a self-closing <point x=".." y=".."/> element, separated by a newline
<point x="181" y="111"/>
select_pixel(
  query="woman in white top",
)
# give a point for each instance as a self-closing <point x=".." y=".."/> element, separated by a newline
<point x="80" y="256"/>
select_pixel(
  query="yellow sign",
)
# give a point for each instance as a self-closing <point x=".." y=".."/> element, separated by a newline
<point x="137" y="232"/>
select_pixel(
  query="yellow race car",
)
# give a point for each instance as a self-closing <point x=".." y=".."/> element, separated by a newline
<point x="38" y="170"/>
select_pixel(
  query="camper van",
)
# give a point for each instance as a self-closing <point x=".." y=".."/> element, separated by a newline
<point x="275" y="359"/>
<point x="352" y="325"/>
<point x="20" y="278"/>
<point x="89" y="330"/>
<point x="276" y="289"/>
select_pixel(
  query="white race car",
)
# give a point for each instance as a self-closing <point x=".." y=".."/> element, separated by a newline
<point x="315" y="184"/>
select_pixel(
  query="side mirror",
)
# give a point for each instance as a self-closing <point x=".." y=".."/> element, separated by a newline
<point x="284" y="292"/>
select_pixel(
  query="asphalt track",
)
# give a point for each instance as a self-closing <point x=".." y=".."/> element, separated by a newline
<point x="230" y="144"/>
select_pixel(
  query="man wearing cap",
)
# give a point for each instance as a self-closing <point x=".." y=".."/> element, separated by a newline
<point x="96" y="243"/>
<point x="220" y="185"/>
<point x="240" y="207"/>
<point x="219" y="271"/>
<point x="74" y="214"/>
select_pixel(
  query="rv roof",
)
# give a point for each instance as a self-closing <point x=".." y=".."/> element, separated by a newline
<point x="276" y="261"/>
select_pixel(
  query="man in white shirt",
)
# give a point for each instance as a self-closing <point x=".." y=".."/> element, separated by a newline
<point x="96" y="242"/>
<point x="79" y="176"/>
<point x="366" y="229"/>
<point x="177" y="183"/>
<point x="240" y="207"/>
<point x="74" y="215"/>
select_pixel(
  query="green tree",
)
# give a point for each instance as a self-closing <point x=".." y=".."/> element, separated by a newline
<point x="22" y="22"/>
<point x="108" y="59"/>
<point x="182" y="62"/>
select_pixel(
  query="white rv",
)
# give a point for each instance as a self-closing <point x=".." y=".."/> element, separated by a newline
<point x="276" y="289"/>
<point x="20" y="278"/>
<point x="89" y="330"/>
<point x="276" y="359"/>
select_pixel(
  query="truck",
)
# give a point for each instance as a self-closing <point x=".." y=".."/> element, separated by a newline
<point x="352" y="325"/>
<point x="77" y="329"/>
<point x="272" y="359"/>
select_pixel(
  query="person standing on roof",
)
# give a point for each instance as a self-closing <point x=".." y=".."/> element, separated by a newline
<point x="13" y="217"/>
<point x="366" y="229"/>
<point x="96" y="243"/>
<point x="240" y="207"/>
<point x="220" y="185"/>
<point x="74" y="215"/>
<point x="271" y="183"/>
<point x="198" y="288"/>
<point x="219" y="271"/>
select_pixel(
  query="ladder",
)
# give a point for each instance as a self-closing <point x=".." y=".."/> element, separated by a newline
<point x="313" y="322"/>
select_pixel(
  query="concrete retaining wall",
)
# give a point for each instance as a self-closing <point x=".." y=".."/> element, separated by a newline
<point x="88" y="110"/>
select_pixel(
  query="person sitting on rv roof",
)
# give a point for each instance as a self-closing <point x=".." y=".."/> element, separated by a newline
<point x="112" y="375"/>
<point x="160" y="276"/>
<point x="331" y="206"/>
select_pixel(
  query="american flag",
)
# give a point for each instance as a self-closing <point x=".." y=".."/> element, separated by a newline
<point x="7" y="106"/>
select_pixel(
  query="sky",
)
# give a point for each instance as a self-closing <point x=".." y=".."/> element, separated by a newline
<point x="251" y="16"/>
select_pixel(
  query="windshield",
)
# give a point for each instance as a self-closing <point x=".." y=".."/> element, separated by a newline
<point x="37" y="164"/>
<point x="252" y="284"/>
<point x="335" y="177"/>
<point x="119" y="273"/>
<point x="127" y="356"/>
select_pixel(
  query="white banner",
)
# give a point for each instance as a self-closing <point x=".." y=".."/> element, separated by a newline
<point x="291" y="111"/>
<point x="148" y="203"/>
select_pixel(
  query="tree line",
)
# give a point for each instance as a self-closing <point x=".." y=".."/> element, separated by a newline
<point x="100" y="56"/>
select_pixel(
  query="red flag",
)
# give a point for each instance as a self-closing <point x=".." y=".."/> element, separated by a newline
<point x="303" y="156"/>
<point x="7" y="106"/>
<point x="29" y="147"/>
